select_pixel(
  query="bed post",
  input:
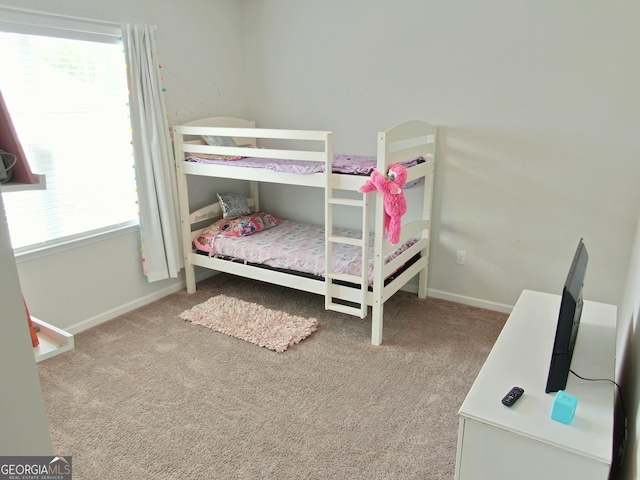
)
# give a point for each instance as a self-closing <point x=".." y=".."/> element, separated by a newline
<point x="255" y="195"/>
<point x="377" y="319"/>
<point x="377" y="322"/>
<point x="427" y="212"/>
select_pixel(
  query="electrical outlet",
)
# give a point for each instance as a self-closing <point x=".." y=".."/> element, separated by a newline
<point x="461" y="258"/>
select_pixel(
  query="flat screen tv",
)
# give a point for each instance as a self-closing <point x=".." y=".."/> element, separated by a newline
<point x="568" y="322"/>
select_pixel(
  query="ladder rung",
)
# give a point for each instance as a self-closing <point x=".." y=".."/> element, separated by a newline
<point x="338" y="307"/>
<point x="347" y="240"/>
<point x="345" y="277"/>
<point x="346" y="201"/>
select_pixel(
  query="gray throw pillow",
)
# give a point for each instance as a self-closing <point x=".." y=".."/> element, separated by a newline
<point x="234" y="205"/>
<point x="216" y="141"/>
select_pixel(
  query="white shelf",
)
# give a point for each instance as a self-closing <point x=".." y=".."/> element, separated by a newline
<point x="21" y="187"/>
<point x="53" y="340"/>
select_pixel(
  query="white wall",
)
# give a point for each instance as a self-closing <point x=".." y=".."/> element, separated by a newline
<point x="538" y="106"/>
<point x="628" y="347"/>
<point x="200" y="48"/>
<point x="25" y="430"/>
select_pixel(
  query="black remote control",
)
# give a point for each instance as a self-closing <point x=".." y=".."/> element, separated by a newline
<point x="512" y="397"/>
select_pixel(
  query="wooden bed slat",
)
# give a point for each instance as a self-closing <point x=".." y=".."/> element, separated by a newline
<point x="312" y="135"/>
<point x="258" y="152"/>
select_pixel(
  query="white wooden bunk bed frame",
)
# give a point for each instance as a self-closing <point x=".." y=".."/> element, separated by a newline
<point x="406" y="140"/>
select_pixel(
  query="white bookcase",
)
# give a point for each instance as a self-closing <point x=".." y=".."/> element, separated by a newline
<point x="498" y="442"/>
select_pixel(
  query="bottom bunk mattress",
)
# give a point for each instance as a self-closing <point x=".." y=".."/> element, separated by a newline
<point x="292" y="246"/>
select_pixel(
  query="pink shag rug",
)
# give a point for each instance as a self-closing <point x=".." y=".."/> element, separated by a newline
<point x="251" y="322"/>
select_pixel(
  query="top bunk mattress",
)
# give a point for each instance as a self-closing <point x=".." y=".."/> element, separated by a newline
<point x="345" y="164"/>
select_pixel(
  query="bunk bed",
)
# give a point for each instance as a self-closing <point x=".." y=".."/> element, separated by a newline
<point x="233" y="148"/>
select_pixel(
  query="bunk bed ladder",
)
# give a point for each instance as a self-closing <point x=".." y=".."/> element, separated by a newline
<point x="351" y="306"/>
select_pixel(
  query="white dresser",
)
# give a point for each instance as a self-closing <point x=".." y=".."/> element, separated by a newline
<point x="498" y="442"/>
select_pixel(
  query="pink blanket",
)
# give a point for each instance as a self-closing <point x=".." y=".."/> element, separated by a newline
<point x="349" y="164"/>
<point x="296" y="246"/>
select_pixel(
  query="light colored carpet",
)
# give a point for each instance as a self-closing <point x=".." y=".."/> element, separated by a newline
<point x="272" y="329"/>
<point x="148" y="396"/>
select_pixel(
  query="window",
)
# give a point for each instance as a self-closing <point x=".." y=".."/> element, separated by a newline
<point x="67" y="94"/>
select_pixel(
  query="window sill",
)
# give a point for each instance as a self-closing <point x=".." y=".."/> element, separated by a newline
<point x="35" y="252"/>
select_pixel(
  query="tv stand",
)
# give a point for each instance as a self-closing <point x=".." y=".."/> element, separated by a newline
<point x="522" y="441"/>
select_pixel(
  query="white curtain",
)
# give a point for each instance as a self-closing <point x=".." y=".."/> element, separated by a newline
<point x="153" y="156"/>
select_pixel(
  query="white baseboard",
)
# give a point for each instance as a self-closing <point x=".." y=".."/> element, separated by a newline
<point x="140" y="302"/>
<point x="128" y="307"/>
<point x="412" y="287"/>
<point x="471" y="301"/>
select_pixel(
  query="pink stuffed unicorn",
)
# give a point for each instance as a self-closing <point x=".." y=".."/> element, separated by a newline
<point x="395" y="205"/>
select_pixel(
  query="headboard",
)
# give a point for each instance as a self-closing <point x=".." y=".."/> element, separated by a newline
<point x="226" y="122"/>
<point x="211" y="213"/>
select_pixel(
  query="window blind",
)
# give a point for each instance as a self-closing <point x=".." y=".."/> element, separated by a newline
<point x="67" y="95"/>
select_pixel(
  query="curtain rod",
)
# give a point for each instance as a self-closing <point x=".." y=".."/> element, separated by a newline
<point x="29" y="11"/>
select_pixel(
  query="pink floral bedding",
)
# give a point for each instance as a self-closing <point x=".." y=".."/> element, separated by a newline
<point x="348" y="164"/>
<point x="295" y="246"/>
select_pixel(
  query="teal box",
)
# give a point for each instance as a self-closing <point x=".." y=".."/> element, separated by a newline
<point x="564" y="407"/>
